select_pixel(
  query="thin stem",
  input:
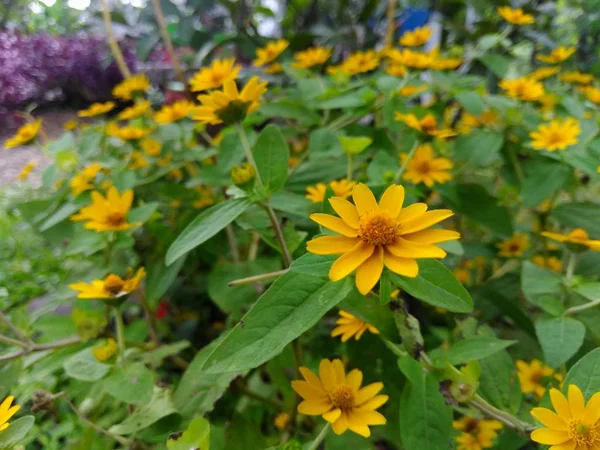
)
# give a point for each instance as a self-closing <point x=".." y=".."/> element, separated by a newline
<point x="112" y="42"/>
<point x="11" y="341"/>
<point x="149" y="320"/>
<point x="320" y="438"/>
<point x="253" y="250"/>
<point x="15" y="329"/>
<point x="391" y="24"/>
<point x="248" y="151"/>
<point x="349" y="169"/>
<point x="255" y="396"/>
<point x="571" y="265"/>
<point x="257" y="278"/>
<point x="235" y="254"/>
<point x="120" y="334"/>
<point x="287" y="257"/>
<point x="504" y="417"/>
<point x="579" y="308"/>
<point x="512" y="152"/>
<point x="404" y="165"/>
<point x="39" y="348"/>
<point x="162" y="26"/>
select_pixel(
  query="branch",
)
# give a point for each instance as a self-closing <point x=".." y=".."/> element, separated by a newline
<point x="112" y="42"/>
<point x="14" y="329"/>
<point x="162" y="26"/>
<point x="40" y="348"/>
<point x="257" y="278"/>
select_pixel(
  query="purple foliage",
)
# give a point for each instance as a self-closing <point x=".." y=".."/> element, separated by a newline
<point x="38" y="68"/>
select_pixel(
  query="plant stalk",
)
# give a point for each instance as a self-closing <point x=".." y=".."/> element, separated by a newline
<point x="120" y="335"/>
<point x="257" y="278"/>
<point x="162" y="26"/>
<point x="320" y="438"/>
<point x="404" y="165"/>
<point x="112" y="42"/>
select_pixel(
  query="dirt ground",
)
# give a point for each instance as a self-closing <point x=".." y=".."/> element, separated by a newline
<point x="13" y="160"/>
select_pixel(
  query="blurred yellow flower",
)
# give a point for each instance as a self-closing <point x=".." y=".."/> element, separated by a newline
<point x="338" y="397"/>
<point x="543" y="73"/>
<point x="206" y="197"/>
<point x="311" y="57"/>
<point x="558" y="55"/>
<point x="221" y="71"/>
<point x="107" y="214"/>
<point x="136" y="110"/>
<point x="410" y="58"/>
<point x="27" y="169"/>
<point x="396" y="70"/>
<point x="281" y="420"/>
<point x="128" y="133"/>
<point x="592" y="93"/>
<point x="82" y="181"/>
<point x="270" y="52"/>
<point x="548" y="102"/>
<point x="578" y="237"/>
<point x="469" y="121"/>
<point x="137" y="161"/>
<point x="70" y="125"/>
<point x="274" y="68"/>
<point x="556" y="135"/>
<point x="428" y="124"/>
<point x="165" y="161"/>
<point x="175" y="111"/>
<point x="341" y="188"/>
<point x="243" y="174"/>
<point x="418" y="36"/>
<point x="524" y="88"/>
<point x="550" y="262"/>
<point x="112" y="286"/>
<point x="104" y="352"/>
<point x="97" y="109"/>
<point x="349" y="326"/>
<point x="229" y="105"/>
<point x="151" y="147"/>
<point x="462" y="275"/>
<point x="576" y="77"/>
<point x="425" y="168"/>
<point x="477" y="434"/>
<point x="374" y="235"/>
<point x="360" y="62"/>
<point x="407" y="91"/>
<point x="515" y="16"/>
<point x="7" y="411"/>
<point x="513" y="247"/>
<point x="535" y="377"/>
<point x="24" y="135"/>
<point x="128" y="88"/>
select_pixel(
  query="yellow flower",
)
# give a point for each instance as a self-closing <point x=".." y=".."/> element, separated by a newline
<point x="104" y="352"/>
<point x="548" y="102"/>
<point x="578" y="237"/>
<point x="396" y="70"/>
<point x="574" y="426"/>
<point x="97" y="109"/>
<point x="407" y="91"/>
<point x="477" y="434"/>
<point x="446" y="63"/>
<point x="592" y="93"/>
<point x="543" y="73"/>
<point x="513" y="247"/>
<point x="342" y="188"/>
<point x="515" y="16"/>
<point x="243" y="174"/>
<point x="556" y="135"/>
<point x="107" y="214"/>
<point x="339" y="398"/>
<point x="410" y="58"/>
<point x="175" y="111"/>
<point x="27" y="170"/>
<point x="165" y="161"/>
<point x="374" y="235"/>
<point x="136" y="110"/>
<point x="524" y="88"/>
<point x="176" y="174"/>
<point x="229" y="105"/>
<point x="577" y="77"/>
<point x="551" y="262"/>
<point x="558" y="55"/>
<point x="70" y="125"/>
<point x="274" y="68"/>
<point x="535" y="377"/>
<point x="151" y="147"/>
<point x="206" y="197"/>
<point x="270" y="52"/>
<point x="418" y="36"/>
<point x="314" y="56"/>
<point x="469" y="121"/>
<point x="348" y="326"/>
<point x="427" y="124"/>
<point x="220" y="72"/>
<point x="6" y="411"/>
<point x="360" y="62"/>
<point x="137" y="161"/>
<point x="24" y="135"/>
<point x="281" y="420"/>
<point x="127" y="88"/>
<point x="82" y="181"/>
<point x="113" y="286"/>
<point x="127" y="133"/>
<point x="462" y="275"/>
<point x="425" y="168"/>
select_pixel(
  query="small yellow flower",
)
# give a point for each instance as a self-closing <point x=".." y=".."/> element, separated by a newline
<point x="543" y="73"/>
<point x="151" y="147"/>
<point x="82" y="181"/>
<point x="513" y="247"/>
<point x="229" y="105"/>
<point x="427" y="124"/>
<point x="535" y="377"/>
<point x="578" y="237"/>
<point x="338" y="397"/>
<point x="462" y="275"/>
<point x="281" y="420"/>
<point x="469" y="121"/>
<point x="551" y="262"/>
<point x="515" y="16"/>
<point x="425" y="168"/>
<point x="128" y="88"/>
<point x="220" y="72"/>
<point x="137" y="161"/>
<point x="360" y="62"/>
<point x="135" y="111"/>
<point x="592" y="93"/>
<point x="410" y="58"/>
<point x="342" y="188"/>
<point x="556" y="135"/>
<point x="97" y="109"/>
<point x="243" y="174"/>
<point x="26" y="171"/>
<point x="407" y="91"/>
<point x="70" y="125"/>
<point x="348" y="326"/>
<point x="128" y="133"/>
<point x="274" y="68"/>
<point x="113" y="286"/>
<point x="558" y="55"/>
<point x="577" y="77"/>
<point x="175" y="111"/>
<point x="24" y="135"/>
<point x="270" y="52"/>
<point x="418" y="36"/>
<point x="446" y="63"/>
<point x="374" y="235"/>
<point x="104" y="352"/>
<point x="165" y="161"/>
<point x="477" y="434"/>
<point x="548" y="102"/>
<point x="396" y="70"/>
<point x="574" y="425"/>
<point x="524" y="88"/>
<point x="6" y="412"/>
<point x="107" y="214"/>
<point x="314" y="56"/>
<point x="206" y="197"/>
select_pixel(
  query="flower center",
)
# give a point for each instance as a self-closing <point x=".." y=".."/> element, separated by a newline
<point x="514" y="247"/>
<point x="579" y="233"/>
<point x="423" y="168"/>
<point x="471" y="425"/>
<point x="583" y="434"/>
<point x="113" y="284"/>
<point x="428" y="123"/>
<point x="116" y="218"/>
<point x="556" y="138"/>
<point x="342" y="397"/>
<point x="377" y="228"/>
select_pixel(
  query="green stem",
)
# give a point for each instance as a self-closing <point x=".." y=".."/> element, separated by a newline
<point x="502" y="416"/>
<point x="404" y="165"/>
<point x="349" y="170"/>
<point x="287" y="257"/>
<point x="320" y="437"/>
<point x="257" y="278"/>
<point x="120" y="335"/>
<point x="267" y="401"/>
<point x="248" y="151"/>
<point x="11" y="341"/>
<point x="579" y="308"/>
<point x="515" y="161"/>
<point x="571" y="265"/>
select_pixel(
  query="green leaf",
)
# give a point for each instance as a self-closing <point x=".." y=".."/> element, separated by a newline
<point x="573" y="106"/>
<point x="132" y="384"/>
<point x="542" y="288"/>
<point x="142" y="213"/>
<point x="496" y="63"/>
<point x="585" y="374"/>
<point x="291" y="305"/>
<point x="584" y="215"/>
<point x="62" y="213"/>
<point x="372" y="312"/>
<point x="205" y="226"/>
<point x="84" y="366"/>
<point x="560" y="338"/>
<point x="480" y="147"/>
<point x="86" y="242"/>
<point x="196" y="437"/>
<point x="272" y="156"/>
<point x="154" y="357"/>
<point x="16" y="432"/>
<point x="475" y="348"/>
<point x="89" y="323"/>
<point x="160" y="406"/>
<point x="499" y="382"/>
<point x="385" y="288"/>
<point x="591" y="291"/>
<point x="160" y="278"/>
<point x="425" y="418"/>
<point x="437" y="286"/>
<point x="286" y="110"/>
<point x="310" y="264"/>
<point x="472" y="102"/>
<point x="542" y="179"/>
<point x="354" y="144"/>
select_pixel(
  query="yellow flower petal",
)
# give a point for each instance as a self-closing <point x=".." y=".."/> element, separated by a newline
<point x="425" y="220"/>
<point x="549" y="418"/>
<point x="404" y="248"/>
<point x="592" y="410"/>
<point x="374" y="403"/>
<point x="392" y="200"/>
<point x="308" y="392"/>
<point x="369" y="272"/>
<point x="340" y="425"/>
<point x="313" y="409"/>
<point x="576" y="402"/>
<point x="332" y="415"/>
<point x="367" y="393"/>
<point x="311" y="378"/>
<point x="357" y="425"/>
<point x="331" y="245"/>
<point x="549" y="437"/>
<point x="401" y="266"/>
<point x="346" y="210"/>
<point x="569" y="445"/>
<point x="432" y="236"/>
<point x="364" y="199"/>
<point x="354" y="379"/>
<point x="560" y="403"/>
<point x="327" y="374"/>
<point x="412" y="211"/>
<point x="350" y="261"/>
<point x="334" y="224"/>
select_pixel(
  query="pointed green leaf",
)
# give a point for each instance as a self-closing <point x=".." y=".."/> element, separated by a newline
<point x="560" y="338"/>
<point x="272" y="156"/>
